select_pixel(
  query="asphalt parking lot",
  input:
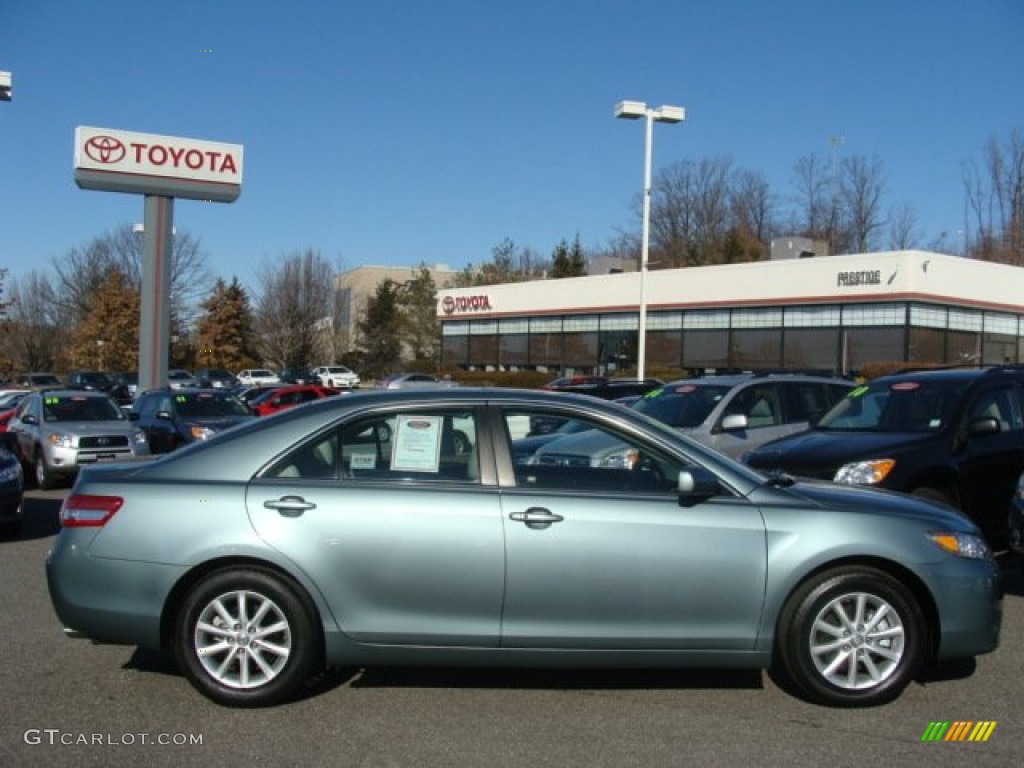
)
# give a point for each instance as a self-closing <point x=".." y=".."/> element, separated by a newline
<point x="70" y="703"/>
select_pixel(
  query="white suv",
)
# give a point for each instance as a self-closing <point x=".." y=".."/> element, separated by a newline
<point x="336" y="376"/>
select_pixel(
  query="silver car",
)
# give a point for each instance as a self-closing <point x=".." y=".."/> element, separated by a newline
<point x="60" y="431"/>
<point x="735" y="414"/>
<point x="362" y="531"/>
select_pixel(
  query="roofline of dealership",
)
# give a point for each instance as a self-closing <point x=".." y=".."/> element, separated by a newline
<point x="908" y="275"/>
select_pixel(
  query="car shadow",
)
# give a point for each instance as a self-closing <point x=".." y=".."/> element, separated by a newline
<point x="1011" y="567"/>
<point x="41" y="519"/>
<point x="558" y="679"/>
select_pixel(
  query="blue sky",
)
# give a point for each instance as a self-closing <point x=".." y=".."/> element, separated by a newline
<point x="395" y="133"/>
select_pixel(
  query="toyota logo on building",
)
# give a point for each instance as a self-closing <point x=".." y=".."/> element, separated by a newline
<point x="448" y="305"/>
<point x="105" y="149"/>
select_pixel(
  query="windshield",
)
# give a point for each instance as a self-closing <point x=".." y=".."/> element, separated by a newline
<point x="206" y="406"/>
<point x="179" y="375"/>
<point x="682" y="405"/>
<point x="81" y="409"/>
<point x="904" y="405"/>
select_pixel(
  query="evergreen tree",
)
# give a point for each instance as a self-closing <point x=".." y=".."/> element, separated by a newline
<point x="224" y="331"/>
<point x="107" y="339"/>
<point x="419" y="308"/>
<point x="381" y="331"/>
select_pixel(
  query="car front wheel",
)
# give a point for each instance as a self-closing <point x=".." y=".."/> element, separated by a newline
<point x="852" y="637"/>
<point x="245" y="637"/>
<point x="46" y="478"/>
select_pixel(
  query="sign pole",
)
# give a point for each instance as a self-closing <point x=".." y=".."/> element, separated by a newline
<point x="154" y="331"/>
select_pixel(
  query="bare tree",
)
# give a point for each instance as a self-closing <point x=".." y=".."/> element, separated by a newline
<point x="903" y="227"/>
<point x="32" y="341"/>
<point x="753" y="212"/>
<point x="81" y="271"/>
<point x="861" y="194"/>
<point x="995" y="201"/>
<point x="812" y="196"/>
<point x="293" y="311"/>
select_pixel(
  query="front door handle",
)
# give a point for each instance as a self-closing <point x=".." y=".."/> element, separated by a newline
<point x="536" y="517"/>
<point x="289" y="506"/>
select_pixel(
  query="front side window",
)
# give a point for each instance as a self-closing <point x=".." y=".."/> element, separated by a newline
<point x="586" y="456"/>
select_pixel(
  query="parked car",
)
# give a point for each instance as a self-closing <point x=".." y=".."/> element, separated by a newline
<point x="336" y="376"/>
<point x="11" y="486"/>
<point x="734" y="414"/>
<point x="275" y="400"/>
<point x="1015" y="521"/>
<point x="257" y="377"/>
<point x="414" y="381"/>
<point x="6" y="414"/>
<point x="10" y="398"/>
<point x="352" y="531"/>
<point x="298" y="376"/>
<point x="37" y="380"/>
<point x="215" y="378"/>
<point x="179" y="378"/>
<point x="129" y="380"/>
<point x="564" y="382"/>
<point x="61" y="430"/>
<point x="612" y="389"/>
<point x="172" y="418"/>
<point x="248" y="393"/>
<point x="955" y="436"/>
<point x="101" y="382"/>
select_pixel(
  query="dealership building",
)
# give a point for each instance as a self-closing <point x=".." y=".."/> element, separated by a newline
<point x="824" y="313"/>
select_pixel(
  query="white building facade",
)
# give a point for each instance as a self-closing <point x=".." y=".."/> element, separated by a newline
<point x="830" y="314"/>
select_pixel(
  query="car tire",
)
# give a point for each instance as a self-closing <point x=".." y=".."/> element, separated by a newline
<point x="853" y="613"/>
<point x="46" y="478"/>
<point x="265" y="656"/>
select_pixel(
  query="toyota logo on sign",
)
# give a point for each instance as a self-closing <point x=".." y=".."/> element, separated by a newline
<point x="448" y="305"/>
<point x="105" y="149"/>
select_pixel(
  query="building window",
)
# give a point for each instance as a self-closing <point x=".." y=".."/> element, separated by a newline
<point x="806" y="317"/>
<point x="514" y="349"/>
<point x="757" y="318"/>
<point x="621" y="322"/>
<point x="928" y="317"/>
<point x="700" y="319"/>
<point x="706" y="349"/>
<point x="875" y="314"/>
<point x="756" y="349"/>
<point x="483" y="350"/>
<point x="455" y="351"/>
<point x="871" y="345"/>
<point x="811" y="349"/>
<point x="964" y="320"/>
<point x="579" y="350"/>
<point x="545" y="349"/>
<point x="927" y="345"/>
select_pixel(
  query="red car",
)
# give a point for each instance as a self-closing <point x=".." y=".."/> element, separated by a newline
<point x="5" y="418"/>
<point x="286" y="397"/>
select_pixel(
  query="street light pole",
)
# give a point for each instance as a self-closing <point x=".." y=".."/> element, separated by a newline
<point x="632" y="110"/>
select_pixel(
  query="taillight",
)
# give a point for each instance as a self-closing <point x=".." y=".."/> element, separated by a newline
<point x="86" y="511"/>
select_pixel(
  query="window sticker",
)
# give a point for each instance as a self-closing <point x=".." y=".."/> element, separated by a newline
<point x="654" y="393"/>
<point x="857" y="392"/>
<point x="363" y="461"/>
<point x="905" y="386"/>
<point x="686" y="389"/>
<point x="417" y="444"/>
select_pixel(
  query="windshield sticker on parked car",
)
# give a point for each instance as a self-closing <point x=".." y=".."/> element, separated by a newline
<point x="905" y="386"/>
<point x="857" y="392"/>
<point x="654" y="393"/>
<point x="417" y="444"/>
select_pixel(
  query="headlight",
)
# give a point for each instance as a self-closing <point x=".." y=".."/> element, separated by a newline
<point x="200" y="433"/>
<point x="864" y="472"/>
<point x="139" y="438"/>
<point x="624" y="458"/>
<point x="61" y="441"/>
<point x="962" y="544"/>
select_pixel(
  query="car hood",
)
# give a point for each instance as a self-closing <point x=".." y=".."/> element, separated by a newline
<point x="867" y="500"/>
<point x="220" y="422"/>
<point x="830" y="450"/>
<point x="86" y="428"/>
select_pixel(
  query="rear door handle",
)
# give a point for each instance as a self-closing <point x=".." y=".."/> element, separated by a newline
<point x="289" y="506"/>
<point x="536" y="517"/>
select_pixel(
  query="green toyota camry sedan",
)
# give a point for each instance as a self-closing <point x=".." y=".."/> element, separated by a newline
<point x="415" y="527"/>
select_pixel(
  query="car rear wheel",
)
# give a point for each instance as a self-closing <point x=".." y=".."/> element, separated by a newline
<point x="245" y="637"/>
<point x="852" y="637"/>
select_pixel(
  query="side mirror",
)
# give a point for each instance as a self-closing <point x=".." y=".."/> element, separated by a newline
<point x="983" y="427"/>
<point x="735" y="422"/>
<point x="28" y="418"/>
<point x="696" y="484"/>
<point x="163" y="415"/>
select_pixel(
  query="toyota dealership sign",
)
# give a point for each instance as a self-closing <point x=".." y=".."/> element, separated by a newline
<point x="143" y="163"/>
